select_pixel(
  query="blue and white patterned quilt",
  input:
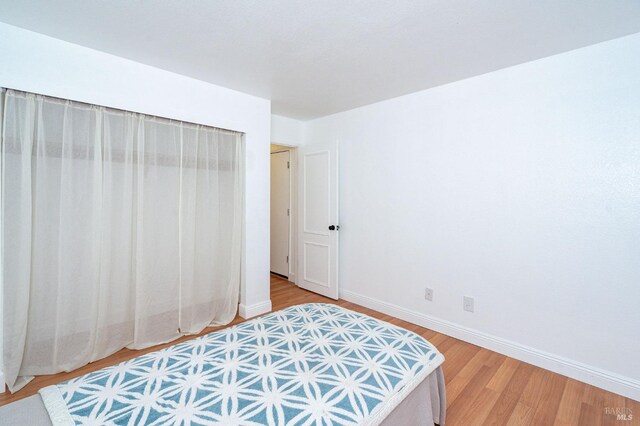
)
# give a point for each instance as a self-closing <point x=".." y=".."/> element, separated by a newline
<point x="311" y="364"/>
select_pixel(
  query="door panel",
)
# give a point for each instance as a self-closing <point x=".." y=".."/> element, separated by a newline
<point x="280" y="199"/>
<point x="316" y="263"/>
<point x="318" y="245"/>
<point x="316" y="199"/>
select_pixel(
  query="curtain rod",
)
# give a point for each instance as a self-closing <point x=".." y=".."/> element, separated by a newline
<point x="3" y="89"/>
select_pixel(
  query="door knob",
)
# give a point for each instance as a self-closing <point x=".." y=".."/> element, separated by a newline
<point x="334" y="227"/>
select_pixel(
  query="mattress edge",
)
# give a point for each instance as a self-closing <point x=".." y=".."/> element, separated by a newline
<point x="390" y="404"/>
<point x="56" y="406"/>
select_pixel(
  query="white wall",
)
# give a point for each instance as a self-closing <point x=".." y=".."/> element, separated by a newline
<point x="40" y="64"/>
<point x="286" y="131"/>
<point x="520" y="188"/>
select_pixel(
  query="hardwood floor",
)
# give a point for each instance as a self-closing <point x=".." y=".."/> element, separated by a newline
<point x="483" y="387"/>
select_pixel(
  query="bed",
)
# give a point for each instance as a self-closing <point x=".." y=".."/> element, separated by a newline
<point x="312" y="364"/>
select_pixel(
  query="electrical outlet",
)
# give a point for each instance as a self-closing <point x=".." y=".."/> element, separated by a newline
<point x="428" y="294"/>
<point x="467" y="303"/>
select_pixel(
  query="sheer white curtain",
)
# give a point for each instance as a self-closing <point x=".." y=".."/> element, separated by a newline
<point x="118" y="230"/>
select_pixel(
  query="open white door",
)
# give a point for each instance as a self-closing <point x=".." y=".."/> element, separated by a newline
<point x="318" y="223"/>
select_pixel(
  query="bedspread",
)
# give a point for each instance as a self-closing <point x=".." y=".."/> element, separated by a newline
<point x="307" y="364"/>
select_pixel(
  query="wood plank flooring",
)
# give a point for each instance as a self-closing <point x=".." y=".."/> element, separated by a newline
<point x="483" y="387"/>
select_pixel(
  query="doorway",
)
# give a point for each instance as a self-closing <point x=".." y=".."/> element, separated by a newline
<point x="304" y="216"/>
<point x="283" y="197"/>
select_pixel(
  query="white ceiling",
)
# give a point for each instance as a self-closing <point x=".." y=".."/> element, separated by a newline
<point x="314" y="58"/>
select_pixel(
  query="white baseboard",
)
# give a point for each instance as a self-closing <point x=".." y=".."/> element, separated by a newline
<point x="254" y="310"/>
<point x="3" y="386"/>
<point x="595" y="376"/>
